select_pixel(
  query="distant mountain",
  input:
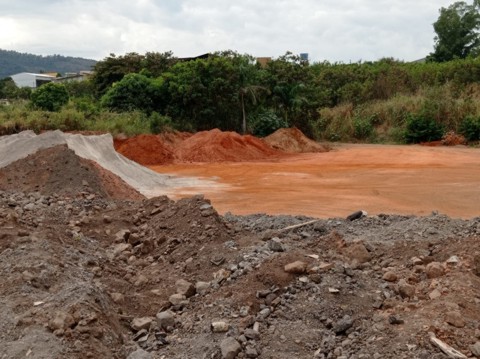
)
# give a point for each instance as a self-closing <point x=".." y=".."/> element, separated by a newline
<point x="13" y="62"/>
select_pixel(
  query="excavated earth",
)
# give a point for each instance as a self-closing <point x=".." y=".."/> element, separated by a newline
<point x="91" y="272"/>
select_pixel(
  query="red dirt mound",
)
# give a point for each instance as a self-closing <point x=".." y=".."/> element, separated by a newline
<point x="218" y="146"/>
<point x="148" y="150"/>
<point x="292" y="140"/>
<point x="58" y="170"/>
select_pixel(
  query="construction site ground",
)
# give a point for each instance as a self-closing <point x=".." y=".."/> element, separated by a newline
<point x="96" y="263"/>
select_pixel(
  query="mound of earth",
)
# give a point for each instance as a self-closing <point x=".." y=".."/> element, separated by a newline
<point x="147" y="150"/>
<point x="92" y="278"/>
<point x="219" y="146"/>
<point x="58" y="170"/>
<point x="292" y="140"/>
<point x="100" y="150"/>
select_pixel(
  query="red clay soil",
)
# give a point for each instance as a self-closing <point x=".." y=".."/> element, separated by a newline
<point x="58" y="170"/>
<point x="292" y="140"/>
<point x="375" y="178"/>
<point x="218" y="146"/>
<point x="148" y="150"/>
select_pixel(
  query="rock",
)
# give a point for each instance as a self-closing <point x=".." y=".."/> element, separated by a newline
<point x="475" y="349"/>
<point x="342" y="325"/>
<point x="390" y="276"/>
<point x="178" y="299"/>
<point x="453" y="261"/>
<point x="392" y="319"/>
<point x="117" y="298"/>
<point x="435" y="294"/>
<point x="356" y="215"/>
<point x="251" y="352"/>
<point x="357" y="252"/>
<point x="230" y="348"/>
<point x="119" y="248"/>
<point x="297" y="267"/>
<point x="61" y="321"/>
<point x="251" y="334"/>
<point x="165" y="319"/>
<point x="455" y="318"/>
<point x="406" y="290"/>
<point x="122" y="235"/>
<point x="416" y="261"/>
<point x="141" y="323"/>
<point x="275" y="245"/>
<point x="202" y="287"/>
<point x="185" y="288"/>
<point x="434" y="270"/>
<point x="219" y="327"/>
<point x="140" y="354"/>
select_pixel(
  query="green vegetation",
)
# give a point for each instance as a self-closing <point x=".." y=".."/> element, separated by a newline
<point x="381" y="101"/>
<point x="50" y="97"/>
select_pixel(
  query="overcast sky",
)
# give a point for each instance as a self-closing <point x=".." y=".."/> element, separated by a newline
<point x="333" y="30"/>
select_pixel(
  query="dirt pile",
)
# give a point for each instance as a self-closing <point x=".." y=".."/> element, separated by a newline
<point x="147" y="150"/>
<point x="58" y="170"/>
<point x="218" y="146"/>
<point x="93" y="278"/>
<point x="292" y="140"/>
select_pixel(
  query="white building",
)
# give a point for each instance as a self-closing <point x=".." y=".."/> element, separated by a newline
<point x="27" y="79"/>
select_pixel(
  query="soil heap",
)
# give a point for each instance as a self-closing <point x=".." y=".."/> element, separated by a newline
<point x="58" y="170"/>
<point x="147" y="150"/>
<point x="219" y="146"/>
<point x="292" y="140"/>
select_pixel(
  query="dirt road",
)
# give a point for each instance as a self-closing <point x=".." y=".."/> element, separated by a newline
<point x="376" y="178"/>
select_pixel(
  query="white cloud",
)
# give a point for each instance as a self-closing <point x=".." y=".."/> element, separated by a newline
<point x="348" y="30"/>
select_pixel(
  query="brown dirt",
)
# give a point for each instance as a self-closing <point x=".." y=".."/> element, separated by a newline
<point x="145" y="150"/>
<point x="218" y="146"/>
<point x="58" y="170"/>
<point x="292" y="140"/>
<point x="375" y="178"/>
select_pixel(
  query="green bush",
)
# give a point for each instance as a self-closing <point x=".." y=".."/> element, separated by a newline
<point x="50" y="97"/>
<point x="470" y="128"/>
<point x="159" y="123"/>
<point x="363" y="128"/>
<point x="267" y="122"/>
<point x="422" y="129"/>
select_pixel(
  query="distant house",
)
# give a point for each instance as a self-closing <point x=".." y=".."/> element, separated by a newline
<point x="74" y="76"/>
<point x="28" y="79"/>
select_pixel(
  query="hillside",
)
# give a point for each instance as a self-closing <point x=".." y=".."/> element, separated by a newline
<point x="12" y="62"/>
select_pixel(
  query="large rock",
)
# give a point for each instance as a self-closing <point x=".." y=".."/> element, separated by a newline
<point x="475" y="349"/>
<point x="165" y="319"/>
<point x="358" y="253"/>
<point x="406" y="290"/>
<point x="61" y="321"/>
<point x="141" y="323"/>
<point x="297" y="267"/>
<point x="434" y="270"/>
<point x="455" y="318"/>
<point x="185" y="288"/>
<point x="230" y="348"/>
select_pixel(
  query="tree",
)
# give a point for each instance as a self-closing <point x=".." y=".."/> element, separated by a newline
<point x="50" y="97"/>
<point x="134" y="92"/>
<point x="456" y="29"/>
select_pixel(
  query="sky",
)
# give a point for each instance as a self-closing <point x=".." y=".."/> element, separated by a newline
<point x="331" y="30"/>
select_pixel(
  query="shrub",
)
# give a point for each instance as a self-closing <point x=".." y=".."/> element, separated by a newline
<point x="50" y="97"/>
<point x="470" y="128"/>
<point x="266" y="123"/>
<point x="422" y="129"/>
<point x="159" y="123"/>
<point x="362" y="128"/>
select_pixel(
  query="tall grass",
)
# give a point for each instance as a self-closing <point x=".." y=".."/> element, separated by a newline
<point x="385" y="120"/>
